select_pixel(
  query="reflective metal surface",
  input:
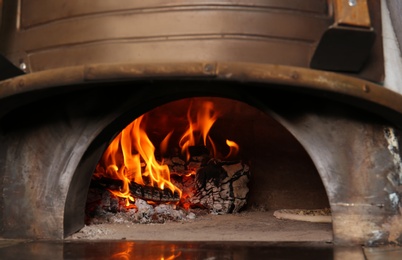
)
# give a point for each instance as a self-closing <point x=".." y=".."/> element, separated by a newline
<point x="114" y="249"/>
<point x="165" y="250"/>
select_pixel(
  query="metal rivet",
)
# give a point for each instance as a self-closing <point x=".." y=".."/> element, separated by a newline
<point x="208" y="68"/>
<point x="21" y="83"/>
<point x="352" y="2"/>
<point x="366" y="88"/>
<point x="23" y="66"/>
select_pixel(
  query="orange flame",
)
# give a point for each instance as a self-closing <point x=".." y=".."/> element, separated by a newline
<point x="234" y="149"/>
<point x="206" y="117"/>
<point x="130" y="157"/>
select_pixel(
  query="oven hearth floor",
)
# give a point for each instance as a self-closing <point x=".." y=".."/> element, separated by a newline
<point x="248" y="235"/>
<point x="244" y="226"/>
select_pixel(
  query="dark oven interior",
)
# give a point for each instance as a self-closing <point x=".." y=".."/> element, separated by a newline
<point x="279" y="173"/>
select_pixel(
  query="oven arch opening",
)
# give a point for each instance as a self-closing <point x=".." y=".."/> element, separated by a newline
<point x="282" y="174"/>
<point x="330" y="125"/>
<point x="195" y="89"/>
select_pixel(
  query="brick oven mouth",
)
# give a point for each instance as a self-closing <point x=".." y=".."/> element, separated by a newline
<point x="262" y="201"/>
<point x="71" y="115"/>
<point x="271" y="172"/>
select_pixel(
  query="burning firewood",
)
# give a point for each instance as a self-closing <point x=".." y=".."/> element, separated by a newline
<point x="153" y="193"/>
<point x="132" y="171"/>
<point x="140" y="191"/>
<point x="221" y="186"/>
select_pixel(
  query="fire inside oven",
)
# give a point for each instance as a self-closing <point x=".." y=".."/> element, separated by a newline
<point x="200" y="156"/>
<point x="196" y="106"/>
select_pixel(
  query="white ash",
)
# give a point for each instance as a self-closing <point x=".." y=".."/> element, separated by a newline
<point x="90" y="232"/>
<point x="144" y="208"/>
<point x="144" y="214"/>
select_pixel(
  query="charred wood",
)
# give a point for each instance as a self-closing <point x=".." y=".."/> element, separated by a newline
<point x="140" y="191"/>
<point x="221" y="186"/>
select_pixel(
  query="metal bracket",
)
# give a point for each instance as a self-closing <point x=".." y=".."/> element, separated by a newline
<point x="345" y="45"/>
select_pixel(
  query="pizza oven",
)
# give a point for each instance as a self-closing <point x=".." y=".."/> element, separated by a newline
<point x="299" y="85"/>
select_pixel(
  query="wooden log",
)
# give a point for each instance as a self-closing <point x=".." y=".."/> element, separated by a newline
<point x="221" y="186"/>
<point x="140" y="191"/>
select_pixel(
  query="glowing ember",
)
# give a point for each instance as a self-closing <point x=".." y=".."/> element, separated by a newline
<point x="130" y="158"/>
